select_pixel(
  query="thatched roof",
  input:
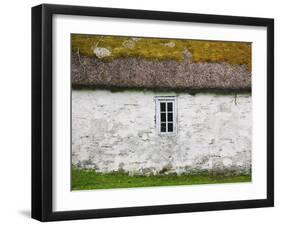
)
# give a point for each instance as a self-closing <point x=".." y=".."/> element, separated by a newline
<point x="130" y="72"/>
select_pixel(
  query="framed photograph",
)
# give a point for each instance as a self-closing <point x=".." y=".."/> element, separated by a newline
<point x="145" y="112"/>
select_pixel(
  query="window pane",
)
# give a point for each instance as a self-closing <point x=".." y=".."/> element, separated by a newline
<point x="170" y="127"/>
<point x="170" y="106"/>
<point x="163" y="127"/>
<point x="163" y="106"/>
<point x="170" y="117"/>
<point x="163" y="117"/>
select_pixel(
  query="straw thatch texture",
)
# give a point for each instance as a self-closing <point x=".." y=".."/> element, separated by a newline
<point x="158" y="74"/>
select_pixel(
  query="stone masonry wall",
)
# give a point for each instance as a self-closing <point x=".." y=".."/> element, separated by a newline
<point x="116" y="131"/>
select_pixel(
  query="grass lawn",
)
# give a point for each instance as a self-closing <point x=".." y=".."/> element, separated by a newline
<point x="89" y="179"/>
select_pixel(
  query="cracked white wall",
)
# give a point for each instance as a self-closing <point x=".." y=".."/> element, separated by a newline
<point x="116" y="131"/>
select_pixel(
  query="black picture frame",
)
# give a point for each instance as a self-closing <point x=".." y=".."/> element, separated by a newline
<point x="42" y="106"/>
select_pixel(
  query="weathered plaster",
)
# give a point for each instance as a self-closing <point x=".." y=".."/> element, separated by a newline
<point x="115" y="131"/>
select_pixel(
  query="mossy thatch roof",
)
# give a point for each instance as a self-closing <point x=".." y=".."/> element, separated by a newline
<point x="138" y="72"/>
<point x="235" y="53"/>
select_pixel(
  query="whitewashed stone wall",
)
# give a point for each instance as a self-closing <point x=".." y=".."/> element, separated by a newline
<point x="115" y="131"/>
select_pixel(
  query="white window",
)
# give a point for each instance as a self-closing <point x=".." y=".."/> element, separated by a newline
<point x="166" y="115"/>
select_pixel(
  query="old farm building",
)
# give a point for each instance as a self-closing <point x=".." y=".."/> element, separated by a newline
<point x="144" y="116"/>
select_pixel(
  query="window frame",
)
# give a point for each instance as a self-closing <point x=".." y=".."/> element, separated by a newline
<point x="158" y="101"/>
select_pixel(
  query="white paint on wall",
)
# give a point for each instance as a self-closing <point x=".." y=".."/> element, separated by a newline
<point x="116" y="131"/>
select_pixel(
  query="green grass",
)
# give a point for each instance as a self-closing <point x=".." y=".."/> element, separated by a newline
<point x="89" y="179"/>
<point x="156" y="48"/>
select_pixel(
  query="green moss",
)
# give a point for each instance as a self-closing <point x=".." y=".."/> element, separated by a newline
<point x="157" y="49"/>
<point x="89" y="179"/>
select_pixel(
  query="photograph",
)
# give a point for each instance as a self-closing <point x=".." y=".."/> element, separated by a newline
<point x="157" y="111"/>
<point x="141" y="112"/>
